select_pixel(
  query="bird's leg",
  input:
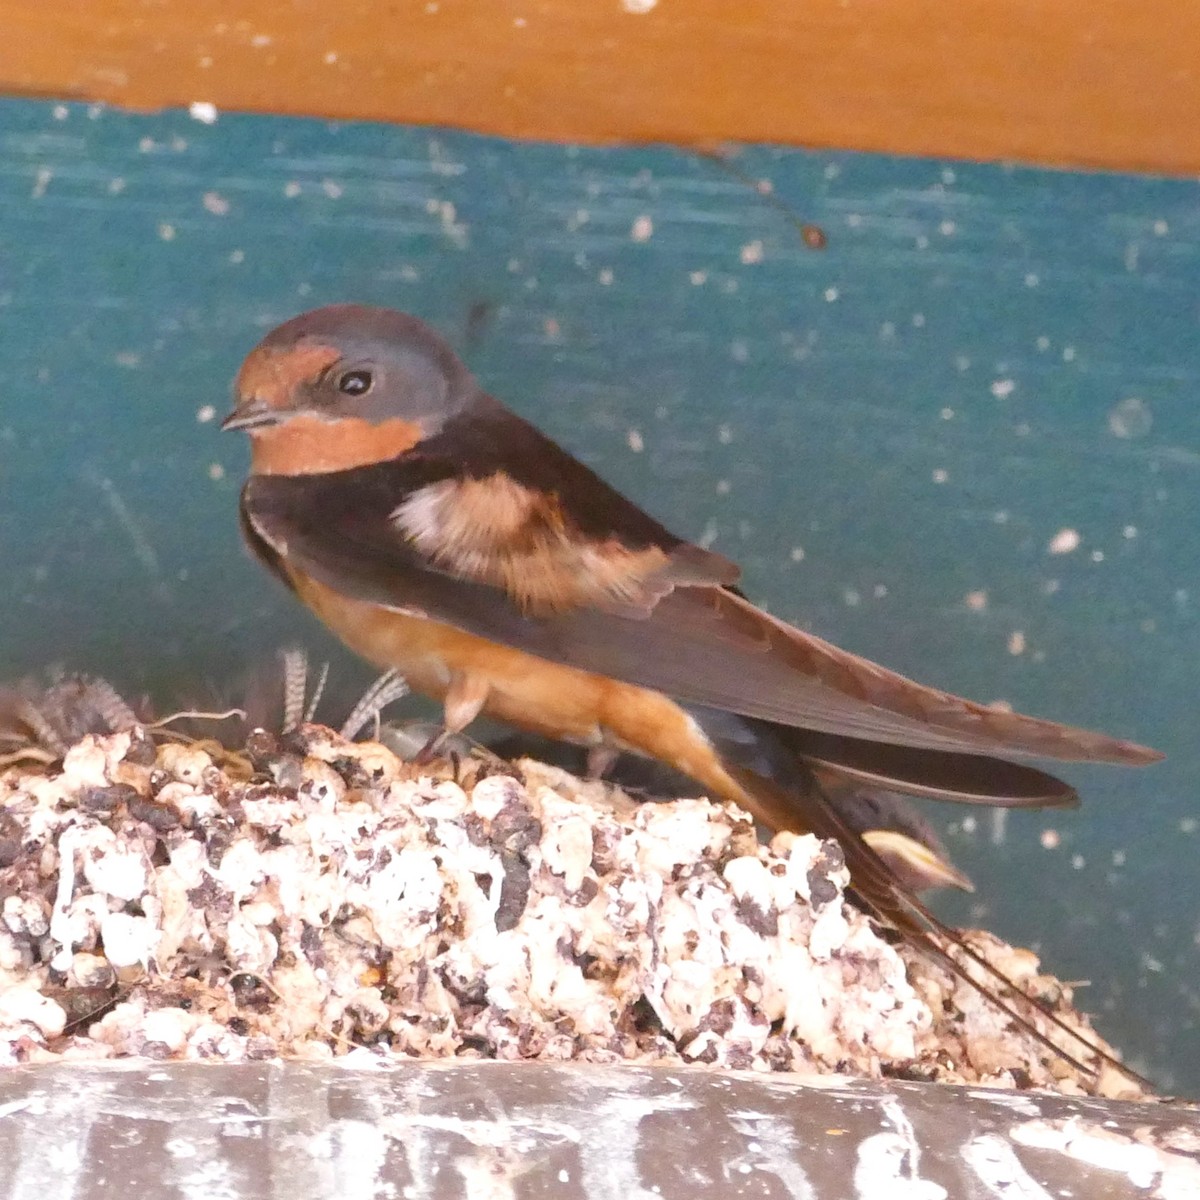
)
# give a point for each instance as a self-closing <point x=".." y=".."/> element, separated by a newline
<point x="464" y="701"/>
<point x="601" y="760"/>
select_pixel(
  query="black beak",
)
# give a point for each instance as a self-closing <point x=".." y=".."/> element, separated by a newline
<point x="254" y="414"/>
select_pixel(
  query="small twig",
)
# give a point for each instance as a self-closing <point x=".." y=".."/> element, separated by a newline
<point x="29" y="754"/>
<point x="189" y="714"/>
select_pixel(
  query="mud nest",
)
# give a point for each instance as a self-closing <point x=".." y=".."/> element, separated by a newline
<point x="316" y="897"/>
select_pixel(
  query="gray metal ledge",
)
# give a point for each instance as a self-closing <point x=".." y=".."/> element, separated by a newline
<point x="491" y="1131"/>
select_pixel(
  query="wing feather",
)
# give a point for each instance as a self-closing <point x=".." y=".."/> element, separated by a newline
<point x="702" y="644"/>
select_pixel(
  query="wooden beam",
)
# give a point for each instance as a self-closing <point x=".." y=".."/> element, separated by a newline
<point x="1111" y="83"/>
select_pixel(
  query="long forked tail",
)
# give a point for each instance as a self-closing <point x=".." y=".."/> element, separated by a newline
<point x="808" y="806"/>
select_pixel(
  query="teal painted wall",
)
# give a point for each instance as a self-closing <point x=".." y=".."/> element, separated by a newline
<point x="890" y="434"/>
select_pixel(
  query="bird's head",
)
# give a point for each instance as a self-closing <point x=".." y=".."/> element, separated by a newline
<point x="345" y="386"/>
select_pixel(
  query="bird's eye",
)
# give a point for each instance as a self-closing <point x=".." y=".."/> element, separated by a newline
<point x="355" y="383"/>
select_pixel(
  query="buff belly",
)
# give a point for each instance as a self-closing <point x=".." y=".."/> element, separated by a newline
<point x="524" y="690"/>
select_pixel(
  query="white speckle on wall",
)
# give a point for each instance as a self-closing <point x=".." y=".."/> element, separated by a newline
<point x="203" y="111"/>
<point x="1130" y="418"/>
<point x="1065" y="541"/>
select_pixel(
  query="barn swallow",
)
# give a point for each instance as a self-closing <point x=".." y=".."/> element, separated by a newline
<point x="439" y="534"/>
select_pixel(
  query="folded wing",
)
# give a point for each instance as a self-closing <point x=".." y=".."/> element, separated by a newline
<point x="703" y="644"/>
